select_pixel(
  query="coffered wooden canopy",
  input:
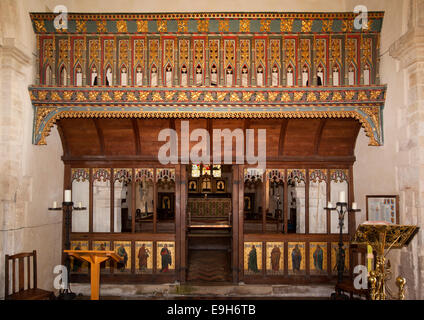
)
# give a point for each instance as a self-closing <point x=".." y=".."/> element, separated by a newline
<point x="313" y="140"/>
<point x="121" y="117"/>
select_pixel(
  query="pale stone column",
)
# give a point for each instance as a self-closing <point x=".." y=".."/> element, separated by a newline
<point x="31" y="176"/>
<point x="12" y="197"/>
<point x="409" y="50"/>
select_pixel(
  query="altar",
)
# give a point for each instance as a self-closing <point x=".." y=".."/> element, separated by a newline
<point x="209" y="210"/>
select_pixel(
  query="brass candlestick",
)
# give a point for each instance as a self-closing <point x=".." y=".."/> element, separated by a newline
<point x="67" y="207"/>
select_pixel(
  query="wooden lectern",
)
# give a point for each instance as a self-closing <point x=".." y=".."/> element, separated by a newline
<point x="95" y="258"/>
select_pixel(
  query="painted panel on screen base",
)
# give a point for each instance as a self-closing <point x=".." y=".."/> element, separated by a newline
<point x="334" y="255"/>
<point x="165" y="257"/>
<point x="123" y="249"/>
<point x="252" y="258"/>
<point x="102" y="246"/>
<point x="77" y="265"/>
<point x="144" y="256"/>
<point x="296" y="256"/>
<point x="275" y="258"/>
<point x="318" y="258"/>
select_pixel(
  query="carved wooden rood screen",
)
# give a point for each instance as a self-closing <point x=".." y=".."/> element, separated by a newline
<point x="111" y="82"/>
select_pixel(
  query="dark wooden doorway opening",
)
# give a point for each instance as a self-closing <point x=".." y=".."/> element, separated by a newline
<point x="209" y="223"/>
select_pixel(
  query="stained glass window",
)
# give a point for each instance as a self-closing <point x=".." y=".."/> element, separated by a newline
<point x="216" y="172"/>
<point x="206" y="170"/>
<point x="195" y="170"/>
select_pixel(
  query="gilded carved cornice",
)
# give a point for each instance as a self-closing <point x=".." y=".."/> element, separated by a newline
<point x="362" y="103"/>
<point x="139" y="39"/>
<point x="212" y="22"/>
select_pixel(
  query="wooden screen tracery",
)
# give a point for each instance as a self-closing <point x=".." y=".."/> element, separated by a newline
<point x="317" y="253"/>
<point x="173" y="65"/>
<point x="144" y="174"/>
<point x="80" y="174"/>
<point x="122" y="175"/>
<point x="313" y="242"/>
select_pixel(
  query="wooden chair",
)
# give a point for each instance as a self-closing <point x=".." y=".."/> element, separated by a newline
<point x="21" y="293"/>
<point x="347" y="286"/>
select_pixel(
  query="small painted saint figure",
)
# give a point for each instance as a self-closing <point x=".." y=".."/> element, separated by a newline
<point x="336" y="76"/>
<point x="320" y="76"/>
<point x="351" y="76"/>
<point x="199" y="76"/>
<point x="143" y="254"/>
<point x="274" y="76"/>
<point x="252" y="263"/>
<point x="168" y="76"/>
<point x="318" y="258"/>
<point x="229" y="76"/>
<point x="94" y="76"/>
<point x="154" y="77"/>
<point x="214" y="76"/>
<point x="184" y="76"/>
<point x="192" y="186"/>
<point x="108" y="76"/>
<point x="139" y="77"/>
<point x="220" y="186"/>
<point x="290" y="77"/>
<point x="260" y="76"/>
<point x="296" y="258"/>
<point x="305" y="76"/>
<point x="166" y="259"/>
<point x="79" y="77"/>
<point x="122" y="253"/>
<point x="124" y="77"/>
<point x="244" y="76"/>
<point x="275" y="258"/>
<point x="366" y="74"/>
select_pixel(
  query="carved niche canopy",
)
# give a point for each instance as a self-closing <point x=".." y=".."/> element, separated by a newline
<point x="208" y="65"/>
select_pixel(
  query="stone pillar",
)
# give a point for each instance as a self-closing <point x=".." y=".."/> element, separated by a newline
<point x="31" y="176"/>
<point x="409" y="50"/>
<point x="14" y="188"/>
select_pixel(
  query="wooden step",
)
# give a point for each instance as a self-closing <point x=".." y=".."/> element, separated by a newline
<point x="209" y="266"/>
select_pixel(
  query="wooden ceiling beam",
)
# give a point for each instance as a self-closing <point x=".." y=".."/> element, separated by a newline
<point x="136" y="131"/>
<point x="318" y="136"/>
<point x="283" y="131"/>
<point x="318" y="140"/>
<point x="100" y="136"/>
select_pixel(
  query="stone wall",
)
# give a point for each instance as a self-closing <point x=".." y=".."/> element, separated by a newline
<point x="397" y="167"/>
<point x="409" y="51"/>
<point x="31" y="177"/>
